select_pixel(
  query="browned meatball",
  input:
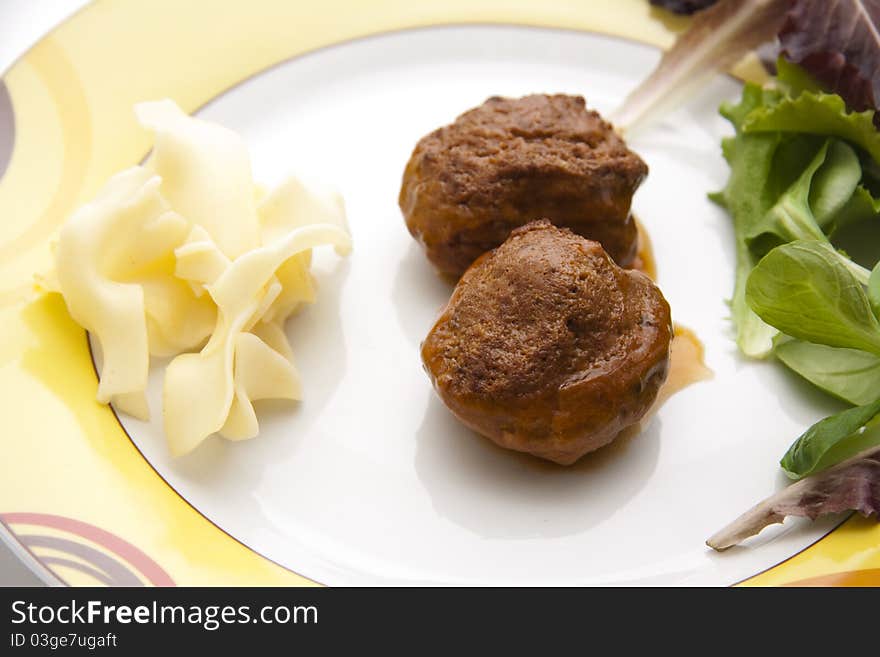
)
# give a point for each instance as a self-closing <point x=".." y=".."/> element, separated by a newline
<point x="510" y="161"/>
<point x="548" y="347"/>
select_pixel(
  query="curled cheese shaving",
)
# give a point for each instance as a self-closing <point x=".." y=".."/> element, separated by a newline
<point x="102" y="287"/>
<point x="188" y="257"/>
<point x="206" y="175"/>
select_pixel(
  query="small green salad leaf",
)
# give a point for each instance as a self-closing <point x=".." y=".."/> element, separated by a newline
<point x="835" y="182"/>
<point x="806" y="454"/>
<point x="754" y="337"/>
<point x="826" y="184"/>
<point x="848" y="374"/>
<point x="804" y="290"/>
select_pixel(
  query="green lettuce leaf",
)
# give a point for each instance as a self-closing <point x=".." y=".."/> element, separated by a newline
<point x="747" y="197"/>
<point x="835" y="183"/>
<point x="848" y="374"/>
<point x="817" y="114"/>
<point x="787" y="185"/>
<point x="782" y="187"/>
<point x="808" y="452"/>
<point x="827" y="179"/>
<point x="806" y="290"/>
<point x="861" y="206"/>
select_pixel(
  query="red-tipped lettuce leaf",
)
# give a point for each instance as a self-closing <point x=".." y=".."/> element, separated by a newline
<point x="838" y="43"/>
<point x="716" y="39"/>
<point x="853" y="485"/>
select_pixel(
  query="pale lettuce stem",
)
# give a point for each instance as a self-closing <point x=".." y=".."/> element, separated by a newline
<point x="798" y="227"/>
<point x="791" y="218"/>
<point x="861" y="274"/>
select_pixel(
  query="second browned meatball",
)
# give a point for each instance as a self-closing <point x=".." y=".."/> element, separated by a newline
<point x="510" y="161"/>
<point x="548" y="347"/>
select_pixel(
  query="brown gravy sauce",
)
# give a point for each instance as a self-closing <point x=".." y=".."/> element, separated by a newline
<point x="687" y="355"/>
<point x="645" y="261"/>
<point x="687" y="364"/>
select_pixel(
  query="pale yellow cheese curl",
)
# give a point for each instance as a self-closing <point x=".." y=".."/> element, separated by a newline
<point x="188" y="253"/>
<point x="200" y="388"/>
<point x="206" y="175"/>
<point x="103" y="252"/>
<point x="290" y="205"/>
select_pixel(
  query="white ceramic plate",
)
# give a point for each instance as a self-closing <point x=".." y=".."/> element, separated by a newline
<point x="370" y="480"/>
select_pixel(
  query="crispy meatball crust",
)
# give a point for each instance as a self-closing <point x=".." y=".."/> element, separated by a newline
<point x="511" y="161"/>
<point x="548" y="347"/>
